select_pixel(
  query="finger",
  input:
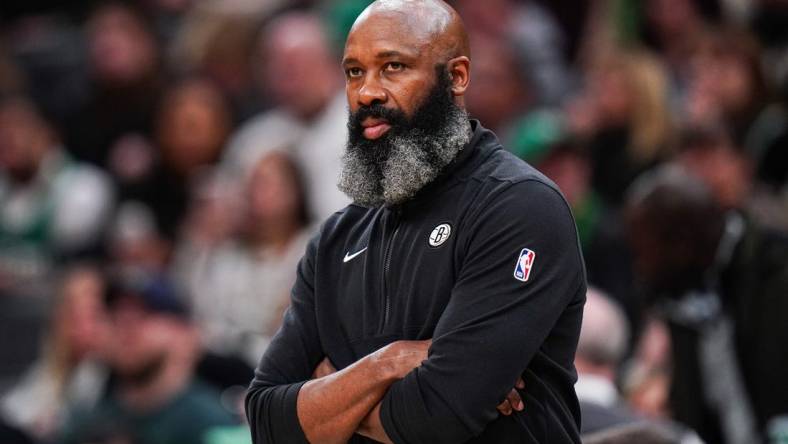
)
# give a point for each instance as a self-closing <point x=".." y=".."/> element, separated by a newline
<point x="520" y="384"/>
<point x="514" y="400"/>
<point x="505" y="408"/>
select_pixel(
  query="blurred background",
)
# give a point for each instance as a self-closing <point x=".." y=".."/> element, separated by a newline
<point x="163" y="163"/>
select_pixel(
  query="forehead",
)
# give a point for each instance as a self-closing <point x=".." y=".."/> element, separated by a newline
<point x="388" y="31"/>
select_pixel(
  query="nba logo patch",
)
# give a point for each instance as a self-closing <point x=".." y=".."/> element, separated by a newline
<point x="524" y="264"/>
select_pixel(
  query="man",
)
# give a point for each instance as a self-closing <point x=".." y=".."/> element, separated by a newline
<point x="720" y="281"/>
<point x="52" y="209"/>
<point x="709" y="153"/>
<point x="155" y="398"/>
<point x="604" y="338"/>
<point x="456" y="272"/>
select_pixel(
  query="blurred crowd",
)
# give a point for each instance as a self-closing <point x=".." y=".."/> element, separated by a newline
<point x="163" y="163"/>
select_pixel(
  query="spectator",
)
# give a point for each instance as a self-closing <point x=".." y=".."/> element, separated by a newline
<point x="604" y="338"/>
<point x="191" y="127"/>
<point x="721" y="280"/>
<point x="302" y="78"/>
<point x="712" y="156"/>
<point x="217" y="40"/>
<point x="240" y="287"/>
<point x="623" y="117"/>
<point x="501" y="92"/>
<point x="68" y="372"/>
<point x="726" y="83"/>
<point x="675" y="29"/>
<point x="646" y="377"/>
<point x="136" y="247"/>
<point x="155" y="399"/>
<point x="532" y="33"/>
<point x="51" y="207"/>
<point x="603" y="344"/>
<point x="126" y="84"/>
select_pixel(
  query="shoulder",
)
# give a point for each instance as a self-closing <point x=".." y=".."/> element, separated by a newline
<point x="508" y="186"/>
<point x="510" y="198"/>
<point x="83" y="178"/>
<point x="501" y="166"/>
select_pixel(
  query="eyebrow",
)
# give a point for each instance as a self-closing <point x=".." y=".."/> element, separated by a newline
<point x="386" y="54"/>
<point x="380" y="55"/>
<point x="349" y="61"/>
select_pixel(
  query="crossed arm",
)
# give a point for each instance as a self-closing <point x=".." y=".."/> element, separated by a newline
<point x="491" y="329"/>
<point x="335" y="405"/>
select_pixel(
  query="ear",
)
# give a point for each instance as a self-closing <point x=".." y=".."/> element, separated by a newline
<point x="460" y="74"/>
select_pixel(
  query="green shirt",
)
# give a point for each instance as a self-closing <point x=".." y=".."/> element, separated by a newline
<point x="193" y="416"/>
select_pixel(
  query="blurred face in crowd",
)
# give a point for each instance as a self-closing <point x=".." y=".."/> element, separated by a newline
<point x="498" y="93"/>
<point x="24" y="140"/>
<point x="122" y="50"/>
<point x="299" y="70"/>
<point x="611" y="92"/>
<point x="192" y="126"/>
<point x="724" y="169"/>
<point x="274" y="190"/>
<point x="721" y="80"/>
<point x="673" y="230"/>
<point x="81" y="320"/>
<point x="405" y="79"/>
<point x="214" y="214"/>
<point x="671" y="16"/>
<point x="145" y="341"/>
<point x="488" y="17"/>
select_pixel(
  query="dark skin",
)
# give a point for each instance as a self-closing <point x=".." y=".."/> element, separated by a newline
<point x="390" y="59"/>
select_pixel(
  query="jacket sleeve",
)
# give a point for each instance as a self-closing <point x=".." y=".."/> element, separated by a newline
<point x="494" y="323"/>
<point x="287" y="364"/>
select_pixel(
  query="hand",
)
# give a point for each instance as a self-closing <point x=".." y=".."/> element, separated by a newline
<point x="325" y="368"/>
<point x="400" y="357"/>
<point x="513" y="401"/>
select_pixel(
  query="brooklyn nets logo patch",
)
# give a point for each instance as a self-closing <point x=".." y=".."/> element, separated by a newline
<point x="439" y="235"/>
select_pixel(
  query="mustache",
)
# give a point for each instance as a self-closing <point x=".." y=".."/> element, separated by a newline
<point x="394" y="117"/>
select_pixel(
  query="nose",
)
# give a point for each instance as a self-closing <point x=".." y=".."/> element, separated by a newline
<point x="371" y="93"/>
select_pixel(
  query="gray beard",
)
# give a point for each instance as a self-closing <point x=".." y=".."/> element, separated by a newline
<point x="416" y="158"/>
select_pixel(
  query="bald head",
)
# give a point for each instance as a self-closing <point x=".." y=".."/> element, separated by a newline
<point x="433" y="23"/>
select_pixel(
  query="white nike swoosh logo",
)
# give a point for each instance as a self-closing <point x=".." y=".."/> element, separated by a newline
<point x="349" y="257"/>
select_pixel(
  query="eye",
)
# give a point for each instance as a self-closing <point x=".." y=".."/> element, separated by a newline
<point x="353" y="72"/>
<point x="394" y="67"/>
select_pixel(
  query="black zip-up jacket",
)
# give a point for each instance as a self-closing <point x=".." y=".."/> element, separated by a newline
<point x="486" y="262"/>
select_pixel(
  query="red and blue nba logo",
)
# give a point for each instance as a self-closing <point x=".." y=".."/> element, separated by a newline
<point x="524" y="264"/>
